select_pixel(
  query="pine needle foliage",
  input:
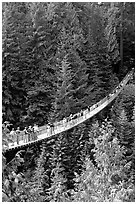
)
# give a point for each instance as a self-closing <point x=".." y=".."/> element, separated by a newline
<point x="112" y="21"/>
<point x="57" y="190"/>
<point x="123" y="120"/>
<point x="106" y="181"/>
<point x="11" y="178"/>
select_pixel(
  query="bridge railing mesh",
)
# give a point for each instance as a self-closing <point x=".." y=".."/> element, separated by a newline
<point x="62" y="126"/>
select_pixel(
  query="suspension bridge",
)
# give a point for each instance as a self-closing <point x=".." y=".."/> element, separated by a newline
<point x="63" y="126"/>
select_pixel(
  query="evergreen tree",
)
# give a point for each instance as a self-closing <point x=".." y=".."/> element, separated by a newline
<point x="16" y="41"/>
<point x="104" y="182"/>
<point x="67" y="151"/>
<point x="125" y="32"/>
<point x="123" y="119"/>
<point x="126" y="133"/>
<point x="58" y="59"/>
<point x="11" y="177"/>
<point x="94" y="52"/>
<point x="126" y="101"/>
<point x="64" y="101"/>
<point x="129" y="34"/>
<point x="37" y="180"/>
<point x="111" y="18"/>
<point x="39" y="93"/>
<point x="57" y="191"/>
<point x="70" y="41"/>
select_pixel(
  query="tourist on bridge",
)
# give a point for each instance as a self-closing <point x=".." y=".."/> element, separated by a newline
<point x="18" y="135"/>
<point x="109" y="96"/>
<point x="81" y="113"/>
<point x="48" y="129"/>
<point x="13" y="135"/>
<point x="32" y="134"/>
<point x="64" y="122"/>
<point x="35" y="130"/>
<point x="115" y="90"/>
<point x="97" y="104"/>
<point x="52" y="128"/>
<point x="93" y="107"/>
<point x="89" y="108"/>
<point x="74" y="116"/>
<point x="85" y="113"/>
<point x="121" y="84"/>
<point x="70" y="117"/>
<point x="25" y="135"/>
<point x="78" y="116"/>
<point x="29" y="133"/>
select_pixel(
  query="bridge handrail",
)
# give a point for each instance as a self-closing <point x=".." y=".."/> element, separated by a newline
<point x="86" y="113"/>
<point x="93" y="106"/>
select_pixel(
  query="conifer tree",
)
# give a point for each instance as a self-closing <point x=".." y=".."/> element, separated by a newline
<point x="97" y="183"/>
<point x="64" y="101"/>
<point x="36" y="182"/>
<point x="57" y="190"/>
<point x="11" y="178"/>
<point x="112" y="21"/>
<point x="70" y="41"/>
<point x="95" y="54"/>
<point x="72" y="91"/>
<point x="122" y="117"/>
<point x="126" y="135"/>
<point x="39" y="92"/>
<point x="16" y="42"/>
<point x="67" y="151"/>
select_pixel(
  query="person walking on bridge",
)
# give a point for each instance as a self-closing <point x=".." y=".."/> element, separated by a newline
<point x="29" y="133"/>
<point x="12" y="134"/>
<point x="52" y="128"/>
<point x="64" y="122"/>
<point x="18" y="135"/>
<point x="48" y="129"/>
<point x="35" y="130"/>
<point x="25" y="135"/>
<point x="81" y="113"/>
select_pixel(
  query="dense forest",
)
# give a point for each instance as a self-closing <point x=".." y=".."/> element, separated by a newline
<point x="58" y="58"/>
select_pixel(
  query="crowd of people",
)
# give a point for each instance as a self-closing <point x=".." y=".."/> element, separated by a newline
<point x="50" y="128"/>
<point x="118" y="87"/>
<point x="28" y="134"/>
<point x="31" y="133"/>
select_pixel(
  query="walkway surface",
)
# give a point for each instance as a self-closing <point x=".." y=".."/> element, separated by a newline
<point x="86" y="114"/>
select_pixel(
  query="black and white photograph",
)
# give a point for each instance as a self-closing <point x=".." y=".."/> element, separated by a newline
<point x="68" y="101"/>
